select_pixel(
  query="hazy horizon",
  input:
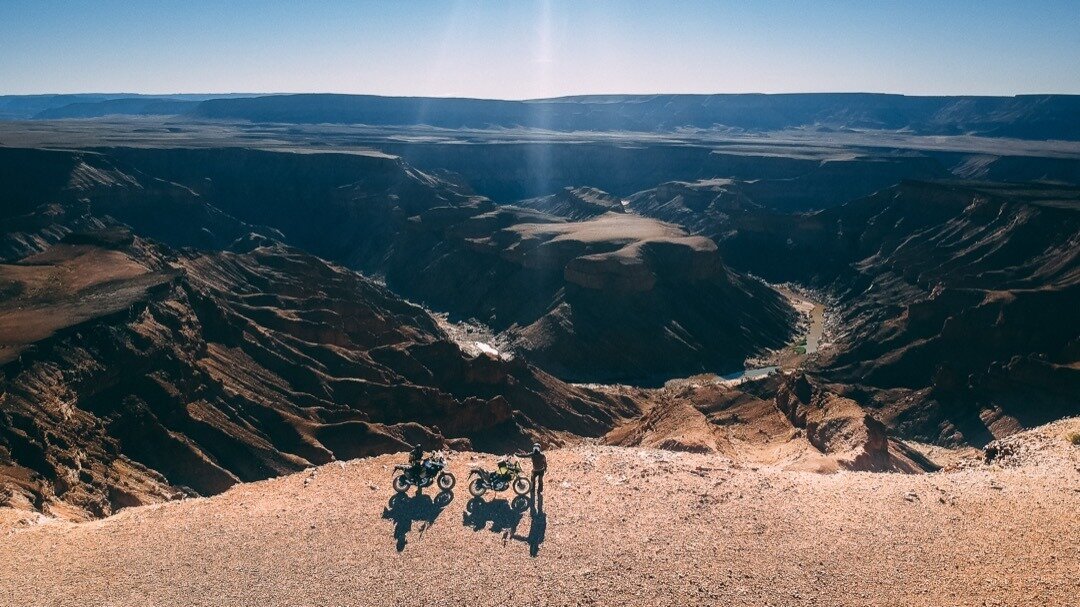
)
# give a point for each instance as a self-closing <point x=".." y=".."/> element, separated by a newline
<point x="541" y="49"/>
<point x="601" y="94"/>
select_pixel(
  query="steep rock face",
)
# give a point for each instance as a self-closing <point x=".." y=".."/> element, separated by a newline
<point x="156" y="375"/>
<point x="958" y="300"/>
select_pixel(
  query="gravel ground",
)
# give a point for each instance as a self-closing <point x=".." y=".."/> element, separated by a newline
<point x="618" y="526"/>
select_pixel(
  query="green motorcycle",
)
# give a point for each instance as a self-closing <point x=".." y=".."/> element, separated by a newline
<point x="507" y="474"/>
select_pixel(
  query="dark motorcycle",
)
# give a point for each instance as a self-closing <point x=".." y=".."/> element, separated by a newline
<point x="431" y="470"/>
<point x="506" y="474"/>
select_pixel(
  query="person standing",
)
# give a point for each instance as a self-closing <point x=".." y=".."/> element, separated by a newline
<point x="539" y="467"/>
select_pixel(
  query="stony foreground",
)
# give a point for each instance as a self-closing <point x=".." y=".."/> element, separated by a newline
<point x="618" y="526"/>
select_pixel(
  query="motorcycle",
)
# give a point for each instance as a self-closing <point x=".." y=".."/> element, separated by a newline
<point x="431" y="470"/>
<point x="507" y="474"/>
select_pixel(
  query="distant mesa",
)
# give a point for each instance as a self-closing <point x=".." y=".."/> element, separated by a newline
<point x="1023" y="117"/>
<point x="612" y="251"/>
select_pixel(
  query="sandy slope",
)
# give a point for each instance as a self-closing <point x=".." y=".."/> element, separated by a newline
<point x="623" y="527"/>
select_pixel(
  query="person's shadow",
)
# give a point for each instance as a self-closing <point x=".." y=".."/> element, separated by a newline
<point x="504" y="516"/>
<point x="404" y="510"/>
<point x="537" y="525"/>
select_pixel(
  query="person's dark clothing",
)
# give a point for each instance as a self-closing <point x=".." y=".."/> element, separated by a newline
<point x="416" y="457"/>
<point x="538" y="480"/>
<point x="539" y="467"/>
<point x="539" y="462"/>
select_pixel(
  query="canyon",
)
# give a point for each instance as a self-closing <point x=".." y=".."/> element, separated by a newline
<point x="214" y="309"/>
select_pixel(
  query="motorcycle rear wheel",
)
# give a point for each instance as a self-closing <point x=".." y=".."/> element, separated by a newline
<point x="522" y="485"/>
<point x="401" y="483"/>
<point x="446" y="481"/>
<point x="477" y="487"/>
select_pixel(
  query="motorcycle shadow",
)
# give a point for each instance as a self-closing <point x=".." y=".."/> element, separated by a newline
<point x="404" y="510"/>
<point x="504" y="516"/>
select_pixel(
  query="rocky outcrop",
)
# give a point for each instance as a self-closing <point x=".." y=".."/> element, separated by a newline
<point x="785" y="422"/>
<point x="702" y="207"/>
<point x="839" y="428"/>
<point x="576" y="203"/>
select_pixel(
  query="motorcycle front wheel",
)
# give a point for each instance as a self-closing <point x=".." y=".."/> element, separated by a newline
<point x="401" y="483"/>
<point x="522" y="485"/>
<point x="477" y="487"/>
<point x="446" y="481"/>
<point x="443" y="499"/>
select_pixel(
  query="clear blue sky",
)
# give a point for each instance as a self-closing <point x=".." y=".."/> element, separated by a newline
<point x="510" y="49"/>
